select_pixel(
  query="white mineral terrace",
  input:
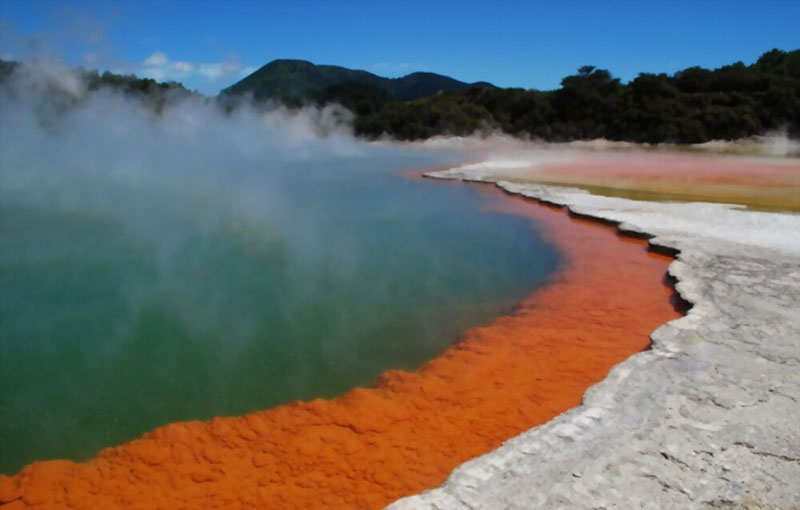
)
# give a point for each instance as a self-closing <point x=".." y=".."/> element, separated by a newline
<point x="708" y="418"/>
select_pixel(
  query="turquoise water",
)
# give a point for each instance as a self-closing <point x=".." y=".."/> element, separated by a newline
<point x="199" y="289"/>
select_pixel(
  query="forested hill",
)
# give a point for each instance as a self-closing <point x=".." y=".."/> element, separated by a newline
<point x="298" y="81"/>
<point x="690" y="106"/>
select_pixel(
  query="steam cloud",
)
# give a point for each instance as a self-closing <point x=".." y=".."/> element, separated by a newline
<point x="185" y="260"/>
<point x="166" y="177"/>
<point x="114" y="155"/>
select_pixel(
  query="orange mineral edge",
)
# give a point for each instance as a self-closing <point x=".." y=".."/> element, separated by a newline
<point x="372" y="446"/>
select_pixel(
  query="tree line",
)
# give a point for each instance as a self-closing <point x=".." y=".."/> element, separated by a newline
<point x="153" y="93"/>
<point x="694" y="105"/>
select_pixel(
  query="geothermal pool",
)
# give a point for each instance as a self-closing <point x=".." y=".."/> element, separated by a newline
<point x="127" y="302"/>
<point x="158" y="269"/>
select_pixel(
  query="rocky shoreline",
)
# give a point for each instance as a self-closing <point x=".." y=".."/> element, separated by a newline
<point x="707" y="418"/>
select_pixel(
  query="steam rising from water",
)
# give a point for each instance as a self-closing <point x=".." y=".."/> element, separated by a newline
<point x="58" y="138"/>
<point x="159" y="265"/>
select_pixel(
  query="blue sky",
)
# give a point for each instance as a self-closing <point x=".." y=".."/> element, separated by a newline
<point x="208" y="45"/>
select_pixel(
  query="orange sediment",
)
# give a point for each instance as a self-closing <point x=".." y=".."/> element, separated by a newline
<point x="676" y="168"/>
<point x="772" y="184"/>
<point x="371" y="446"/>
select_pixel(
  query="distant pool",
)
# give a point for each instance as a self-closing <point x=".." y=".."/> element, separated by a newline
<point x="125" y="305"/>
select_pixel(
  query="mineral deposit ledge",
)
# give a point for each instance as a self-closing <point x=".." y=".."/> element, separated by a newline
<point x="709" y="418"/>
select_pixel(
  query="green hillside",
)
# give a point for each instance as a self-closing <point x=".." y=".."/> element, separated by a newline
<point x="693" y="105"/>
<point x="297" y="81"/>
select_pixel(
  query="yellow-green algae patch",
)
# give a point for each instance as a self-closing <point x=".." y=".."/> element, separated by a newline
<point x="770" y="184"/>
<point x="758" y="199"/>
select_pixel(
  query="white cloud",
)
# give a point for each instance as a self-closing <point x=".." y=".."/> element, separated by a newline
<point x="159" y="67"/>
<point x="156" y="59"/>
<point x="182" y="67"/>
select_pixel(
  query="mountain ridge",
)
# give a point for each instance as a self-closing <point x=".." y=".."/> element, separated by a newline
<point x="295" y="80"/>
